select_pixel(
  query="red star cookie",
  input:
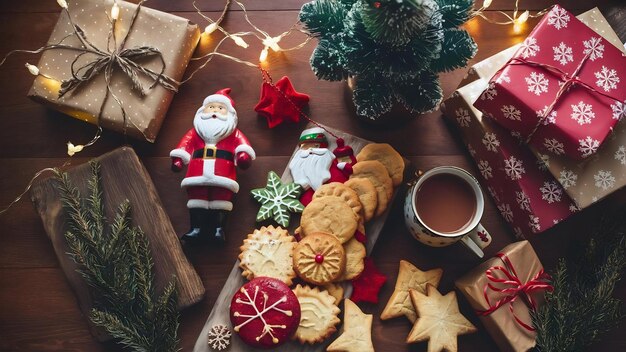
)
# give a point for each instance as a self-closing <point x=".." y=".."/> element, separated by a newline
<point x="275" y="107"/>
<point x="368" y="284"/>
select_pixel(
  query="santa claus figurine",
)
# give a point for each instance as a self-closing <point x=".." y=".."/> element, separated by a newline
<point x="314" y="164"/>
<point x="212" y="150"/>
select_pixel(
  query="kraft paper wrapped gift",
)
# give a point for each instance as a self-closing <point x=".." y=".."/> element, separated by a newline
<point x="509" y="329"/>
<point x="174" y="37"/>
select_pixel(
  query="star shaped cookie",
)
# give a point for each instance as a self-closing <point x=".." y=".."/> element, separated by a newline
<point x="409" y="278"/>
<point x="357" y="331"/>
<point x="439" y="321"/>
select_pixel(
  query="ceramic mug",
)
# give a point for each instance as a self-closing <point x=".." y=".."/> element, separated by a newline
<point x="473" y="236"/>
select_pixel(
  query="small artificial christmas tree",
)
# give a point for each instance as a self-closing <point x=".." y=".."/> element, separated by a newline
<point x="394" y="49"/>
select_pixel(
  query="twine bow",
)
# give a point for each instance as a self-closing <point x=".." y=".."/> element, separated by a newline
<point x="569" y="80"/>
<point x="512" y="287"/>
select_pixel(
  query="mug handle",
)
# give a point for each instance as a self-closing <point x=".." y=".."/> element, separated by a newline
<point x="476" y="240"/>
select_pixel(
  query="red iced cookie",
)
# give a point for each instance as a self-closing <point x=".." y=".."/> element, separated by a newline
<point x="265" y="312"/>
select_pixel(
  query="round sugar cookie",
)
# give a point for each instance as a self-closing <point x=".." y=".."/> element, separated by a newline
<point x="366" y="192"/>
<point x="268" y="251"/>
<point x="319" y="258"/>
<point x="376" y="172"/>
<point x="389" y="157"/>
<point x="330" y="215"/>
<point x="341" y="191"/>
<point x="319" y="315"/>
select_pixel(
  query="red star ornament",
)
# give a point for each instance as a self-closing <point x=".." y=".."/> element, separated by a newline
<point x="368" y="284"/>
<point x="275" y="106"/>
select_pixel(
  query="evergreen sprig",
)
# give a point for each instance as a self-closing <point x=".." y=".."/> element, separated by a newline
<point x="116" y="262"/>
<point x="582" y="306"/>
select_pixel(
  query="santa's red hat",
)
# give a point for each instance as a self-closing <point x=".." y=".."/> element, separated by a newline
<point x="221" y="96"/>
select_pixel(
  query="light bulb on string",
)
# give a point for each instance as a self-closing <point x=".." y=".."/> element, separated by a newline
<point x="519" y="22"/>
<point x="272" y="43"/>
<point x="210" y="28"/>
<point x="239" y="41"/>
<point x="263" y="55"/>
<point x="34" y="70"/>
<point x="62" y="3"/>
<point x="115" y="11"/>
<point x="486" y="3"/>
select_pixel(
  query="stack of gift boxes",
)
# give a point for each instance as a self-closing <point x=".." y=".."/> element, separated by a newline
<point x="543" y="120"/>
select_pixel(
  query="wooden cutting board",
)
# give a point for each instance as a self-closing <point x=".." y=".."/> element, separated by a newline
<point x="122" y="177"/>
<point x="220" y="312"/>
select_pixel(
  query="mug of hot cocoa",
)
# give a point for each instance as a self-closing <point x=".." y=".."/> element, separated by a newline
<point x="443" y="206"/>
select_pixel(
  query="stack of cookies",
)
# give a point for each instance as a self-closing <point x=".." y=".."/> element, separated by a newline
<point x="331" y="248"/>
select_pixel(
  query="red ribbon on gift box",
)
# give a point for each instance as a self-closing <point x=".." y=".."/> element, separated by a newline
<point x="512" y="287"/>
<point x="568" y="81"/>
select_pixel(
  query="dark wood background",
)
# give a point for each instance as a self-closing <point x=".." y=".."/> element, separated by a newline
<point x="38" y="311"/>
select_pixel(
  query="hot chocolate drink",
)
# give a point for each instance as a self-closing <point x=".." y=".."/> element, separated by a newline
<point x="446" y="203"/>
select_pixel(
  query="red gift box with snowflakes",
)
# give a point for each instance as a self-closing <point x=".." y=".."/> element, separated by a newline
<point x="563" y="91"/>
<point x="527" y="195"/>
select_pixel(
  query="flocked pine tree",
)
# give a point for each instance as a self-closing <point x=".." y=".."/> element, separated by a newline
<point x="394" y="49"/>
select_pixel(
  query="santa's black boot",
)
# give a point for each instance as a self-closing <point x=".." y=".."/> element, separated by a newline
<point x="219" y="220"/>
<point x="199" y="231"/>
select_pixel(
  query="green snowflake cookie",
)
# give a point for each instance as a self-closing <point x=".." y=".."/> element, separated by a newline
<point x="277" y="200"/>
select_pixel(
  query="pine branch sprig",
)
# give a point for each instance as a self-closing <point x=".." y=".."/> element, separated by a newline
<point x="116" y="262"/>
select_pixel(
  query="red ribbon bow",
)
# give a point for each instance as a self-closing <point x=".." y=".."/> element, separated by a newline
<point x="512" y="288"/>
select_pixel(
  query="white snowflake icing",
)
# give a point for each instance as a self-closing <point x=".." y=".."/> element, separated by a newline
<point x="506" y="212"/>
<point x="567" y="178"/>
<point x="563" y="53"/>
<point x="462" y="117"/>
<point x="619" y="110"/>
<point x="551" y="192"/>
<point x="558" y="18"/>
<point x="491" y="142"/>
<point x="485" y="169"/>
<point x="551" y="118"/>
<point x="582" y="113"/>
<point x="514" y="168"/>
<point x="522" y="200"/>
<point x="594" y="48"/>
<point x="537" y="83"/>
<point x="504" y="77"/>
<point x="511" y="112"/>
<point x="607" y="78"/>
<point x="534" y="224"/>
<point x="604" y="179"/>
<point x="553" y="145"/>
<point x="588" y="146"/>
<point x="260" y="311"/>
<point x="529" y="48"/>
<point x="219" y="337"/>
<point x="543" y="161"/>
<point x="620" y="154"/>
<point x="490" y="92"/>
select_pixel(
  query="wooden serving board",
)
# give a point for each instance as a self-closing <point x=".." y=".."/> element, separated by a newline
<point x="122" y="177"/>
<point x="220" y="314"/>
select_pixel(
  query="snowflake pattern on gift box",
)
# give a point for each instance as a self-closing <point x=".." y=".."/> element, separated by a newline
<point x="553" y="145"/>
<point x="511" y="112"/>
<point x="619" y="110"/>
<point x="471" y="150"/>
<point x="522" y="200"/>
<point x="534" y="224"/>
<point x="620" y="154"/>
<point x="506" y="212"/>
<point x="551" y="118"/>
<point x="514" y="168"/>
<point x="588" y="146"/>
<point x="582" y="113"/>
<point x="543" y="161"/>
<point x="493" y="193"/>
<point x="504" y="77"/>
<point x="485" y="169"/>
<point x="558" y="18"/>
<point x="518" y="233"/>
<point x="529" y="48"/>
<point x="551" y="192"/>
<point x="594" y="48"/>
<point x="491" y="142"/>
<point x="462" y="117"/>
<point x="573" y="208"/>
<point x="490" y="92"/>
<point x="604" y="179"/>
<point x="563" y="54"/>
<point x="518" y="136"/>
<point x="607" y="78"/>
<point x="567" y="178"/>
<point x="537" y="83"/>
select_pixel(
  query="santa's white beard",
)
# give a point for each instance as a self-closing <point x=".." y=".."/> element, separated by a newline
<point x="214" y="129"/>
<point x="310" y="167"/>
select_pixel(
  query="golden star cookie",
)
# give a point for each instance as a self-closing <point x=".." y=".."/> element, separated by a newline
<point x="366" y="192"/>
<point x="357" y="331"/>
<point x="319" y="258"/>
<point x="376" y="172"/>
<point x="409" y="278"/>
<point x="439" y="321"/>
<point x="329" y="215"/>
<point x="341" y="191"/>
<point x="268" y="251"/>
<point x="355" y="253"/>
<point x="389" y="157"/>
<point x="318" y="313"/>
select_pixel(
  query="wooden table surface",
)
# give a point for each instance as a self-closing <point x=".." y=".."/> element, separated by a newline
<point x="38" y="311"/>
